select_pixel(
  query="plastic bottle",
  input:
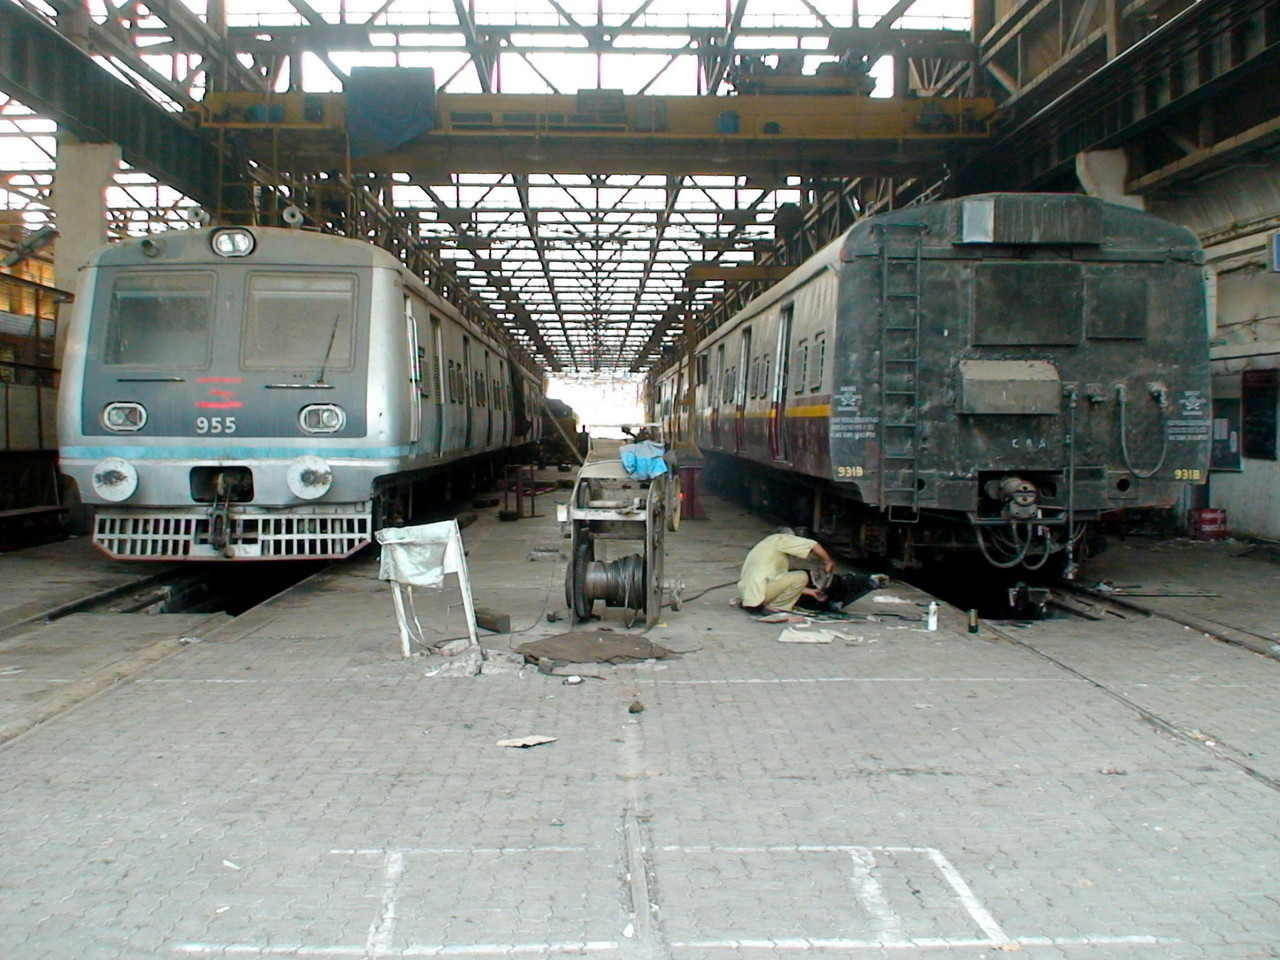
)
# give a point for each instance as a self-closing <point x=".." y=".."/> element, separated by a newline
<point x="931" y="618"/>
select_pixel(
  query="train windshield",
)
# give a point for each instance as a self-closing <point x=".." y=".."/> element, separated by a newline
<point x="299" y="322"/>
<point x="159" y="319"/>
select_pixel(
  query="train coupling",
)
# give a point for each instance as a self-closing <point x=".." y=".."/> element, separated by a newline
<point x="231" y="485"/>
<point x="1019" y="498"/>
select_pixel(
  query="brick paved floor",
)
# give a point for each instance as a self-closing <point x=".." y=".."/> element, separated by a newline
<point x="302" y="791"/>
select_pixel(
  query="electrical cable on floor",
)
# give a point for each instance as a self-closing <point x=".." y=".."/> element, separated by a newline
<point x="700" y="593"/>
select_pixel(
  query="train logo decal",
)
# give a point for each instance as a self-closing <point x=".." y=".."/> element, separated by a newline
<point x="1193" y="403"/>
<point x="222" y="399"/>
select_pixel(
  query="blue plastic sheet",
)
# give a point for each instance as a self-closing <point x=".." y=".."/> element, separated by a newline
<point x="643" y="460"/>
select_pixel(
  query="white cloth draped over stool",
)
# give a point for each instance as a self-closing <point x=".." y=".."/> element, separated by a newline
<point x="420" y="557"/>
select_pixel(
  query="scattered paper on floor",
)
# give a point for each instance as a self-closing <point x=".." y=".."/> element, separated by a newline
<point x="530" y="741"/>
<point x="797" y="635"/>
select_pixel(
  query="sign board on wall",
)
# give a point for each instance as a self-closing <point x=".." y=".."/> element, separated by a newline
<point x="1225" y="452"/>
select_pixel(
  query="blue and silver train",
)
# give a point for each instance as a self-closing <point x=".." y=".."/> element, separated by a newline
<point x="253" y="393"/>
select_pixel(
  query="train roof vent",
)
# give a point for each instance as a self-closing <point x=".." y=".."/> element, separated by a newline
<point x="1031" y="218"/>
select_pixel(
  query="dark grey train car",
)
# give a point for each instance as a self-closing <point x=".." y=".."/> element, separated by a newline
<point x="988" y="373"/>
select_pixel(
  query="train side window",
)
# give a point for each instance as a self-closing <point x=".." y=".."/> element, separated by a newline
<point x="819" y="362"/>
<point x="802" y="365"/>
<point x="160" y="319"/>
<point x="700" y="369"/>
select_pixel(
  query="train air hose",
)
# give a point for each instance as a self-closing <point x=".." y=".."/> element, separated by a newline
<point x="1162" y="401"/>
<point x="1020" y="555"/>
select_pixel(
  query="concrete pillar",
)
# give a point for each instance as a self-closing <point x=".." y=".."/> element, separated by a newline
<point x="1102" y="174"/>
<point x="83" y="173"/>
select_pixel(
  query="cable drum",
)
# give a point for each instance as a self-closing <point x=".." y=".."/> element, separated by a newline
<point x="619" y="583"/>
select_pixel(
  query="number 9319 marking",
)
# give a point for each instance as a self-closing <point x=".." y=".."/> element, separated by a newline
<point x="215" y="424"/>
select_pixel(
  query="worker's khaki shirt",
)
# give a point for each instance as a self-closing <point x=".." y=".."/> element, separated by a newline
<point x="766" y="560"/>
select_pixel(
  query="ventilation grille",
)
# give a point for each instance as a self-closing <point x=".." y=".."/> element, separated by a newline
<point x="306" y="534"/>
<point x="144" y="535"/>
<point x="333" y="535"/>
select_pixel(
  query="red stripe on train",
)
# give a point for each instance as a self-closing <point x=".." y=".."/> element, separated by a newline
<point x="218" y="404"/>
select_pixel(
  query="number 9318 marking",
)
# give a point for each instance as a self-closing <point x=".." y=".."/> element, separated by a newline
<point x="215" y="424"/>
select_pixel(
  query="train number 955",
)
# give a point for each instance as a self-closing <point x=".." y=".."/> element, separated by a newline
<point x="215" y="424"/>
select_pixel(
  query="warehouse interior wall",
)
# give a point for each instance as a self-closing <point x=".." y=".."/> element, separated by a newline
<point x="1236" y="213"/>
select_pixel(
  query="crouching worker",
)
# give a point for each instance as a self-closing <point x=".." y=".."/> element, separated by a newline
<point x="766" y="580"/>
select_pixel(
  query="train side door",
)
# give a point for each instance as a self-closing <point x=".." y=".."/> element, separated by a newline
<point x="778" y="444"/>
<point x="717" y="395"/>
<point x="467" y="401"/>
<point x="488" y="399"/>
<point x="415" y="372"/>
<point x="677" y="419"/>
<point x="740" y="391"/>
<point x="432" y="388"/>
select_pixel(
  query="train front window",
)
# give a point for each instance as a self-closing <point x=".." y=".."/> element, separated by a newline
<point x="299" y="322"/>
<point x="159" y="320"/>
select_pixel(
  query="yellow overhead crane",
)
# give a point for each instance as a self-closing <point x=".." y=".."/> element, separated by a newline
<point x="605" y="131"/>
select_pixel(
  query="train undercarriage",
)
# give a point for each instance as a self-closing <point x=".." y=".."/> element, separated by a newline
<point x="1010" y="530"/>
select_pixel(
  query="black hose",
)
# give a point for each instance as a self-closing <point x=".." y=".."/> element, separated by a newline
<point x="1002" y="564"/>
<point x="1124" y="440"/>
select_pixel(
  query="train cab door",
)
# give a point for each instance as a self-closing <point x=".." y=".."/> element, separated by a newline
<point x="468" y="401"/>
<point x="717" y="395"/>
<point x="740" y="393"/>
<point x="781" y="387"/>
<point x="415" y="358"/>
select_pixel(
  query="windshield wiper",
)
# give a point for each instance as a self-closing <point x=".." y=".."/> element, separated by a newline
<point x="337" y="318"/>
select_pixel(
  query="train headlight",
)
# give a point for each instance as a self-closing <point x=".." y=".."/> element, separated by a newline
<point x="322" y="418"/>
<point x="309" y="477"/>
<point x="126" y="417"/>
<point x="115" y="480"/>
<point x="232" y="242"/>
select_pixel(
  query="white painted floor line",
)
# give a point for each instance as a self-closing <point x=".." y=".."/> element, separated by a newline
<point x="981" y="915"/>
<point x="451" y="851"/>
<point x="917" y="943"/>
<point x="870" y="893"/>
<point x="777" y="680"/>
<point x="383" y="928"/>
<point x="792" y="848"/>
<point x="413" y="950"/>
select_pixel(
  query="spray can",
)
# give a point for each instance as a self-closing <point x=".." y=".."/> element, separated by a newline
<point x="931" y="618"/>
<point x="973" y="621"/>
